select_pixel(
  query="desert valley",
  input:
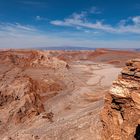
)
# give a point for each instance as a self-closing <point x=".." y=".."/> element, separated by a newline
<point x="69" y="95"/>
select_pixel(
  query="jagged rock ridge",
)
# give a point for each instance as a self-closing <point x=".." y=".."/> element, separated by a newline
<point x="121" y="114"/>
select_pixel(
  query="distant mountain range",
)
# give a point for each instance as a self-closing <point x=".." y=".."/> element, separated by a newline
<point x="72" y="48"/>
<point x="67" y="48"/>
<point x="137" y="49"/>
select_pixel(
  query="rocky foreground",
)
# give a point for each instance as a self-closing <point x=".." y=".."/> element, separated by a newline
<point x="121" y="114"/>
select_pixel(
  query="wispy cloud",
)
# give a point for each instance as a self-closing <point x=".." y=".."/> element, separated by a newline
<point x="77" y="18"/>
<point x="25" y="36"/>
<point x="8" y="29"/>
<point x="130" y="25"/>
<point x="40" y="18"/>
<point x="81" y="21"/>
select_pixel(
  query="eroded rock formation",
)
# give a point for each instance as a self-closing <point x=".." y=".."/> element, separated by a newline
<point x="19" y="100"/>
<point x="121" y="114"/>
<point x="27" y="81"/>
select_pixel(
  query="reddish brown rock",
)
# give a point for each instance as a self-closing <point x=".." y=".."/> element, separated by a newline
<point x="56" y="94"/>
<point x="121" y="114"/>
<point x="20" y="100"/>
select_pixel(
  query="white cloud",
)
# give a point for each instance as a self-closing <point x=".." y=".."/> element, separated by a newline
<point x="8" y="27"/>
<point x="39" y="18"/>
<point x="79" y="16"/>
<point x="25" y="36"/>
<point x="86" y="31"/>
<point x="74" y="20"/>
<point x="8" y="30"/>
<point x="136" y="20"/>
<point x="80" y="20"/>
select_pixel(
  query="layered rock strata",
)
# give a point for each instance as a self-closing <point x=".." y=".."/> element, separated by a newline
<point x="121" y="114"/>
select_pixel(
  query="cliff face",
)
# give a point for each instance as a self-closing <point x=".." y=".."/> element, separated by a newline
<point x="121" y="114"/>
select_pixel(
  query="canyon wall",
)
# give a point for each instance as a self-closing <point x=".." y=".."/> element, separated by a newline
<point x="121" y="114"/>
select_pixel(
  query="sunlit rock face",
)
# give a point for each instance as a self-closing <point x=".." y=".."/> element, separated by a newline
<point x="121" y="114"/>
<point x="19" y="100"/>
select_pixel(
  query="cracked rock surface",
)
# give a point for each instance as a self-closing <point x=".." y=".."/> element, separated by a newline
<point x="121" y="114"/>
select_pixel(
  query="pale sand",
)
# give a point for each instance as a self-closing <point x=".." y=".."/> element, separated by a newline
<point x="104" y="77"/>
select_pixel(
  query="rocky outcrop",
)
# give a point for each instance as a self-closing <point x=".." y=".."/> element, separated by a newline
<point x="28" y="79"/>
<point x="19" y="100"/>
<point x="32" y="58"/>
<point x="121" y="114"/>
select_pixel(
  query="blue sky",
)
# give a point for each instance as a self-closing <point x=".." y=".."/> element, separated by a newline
<point x="83" y="23"/>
